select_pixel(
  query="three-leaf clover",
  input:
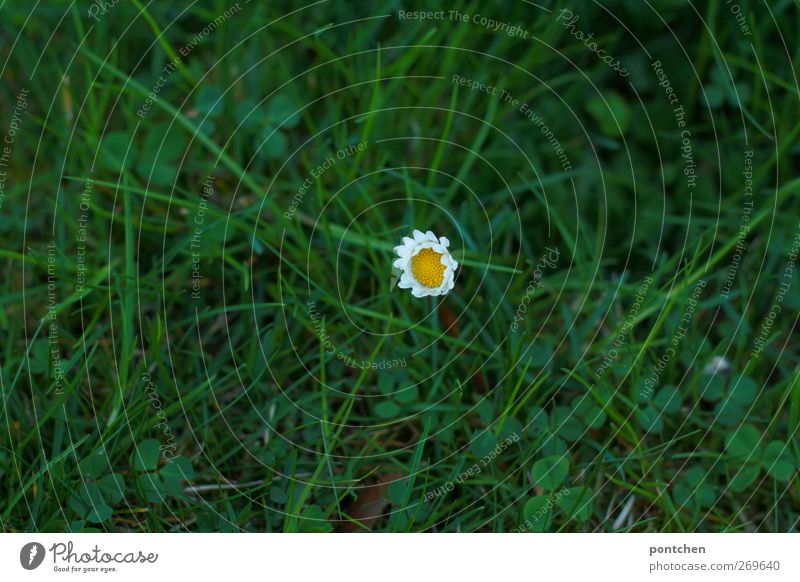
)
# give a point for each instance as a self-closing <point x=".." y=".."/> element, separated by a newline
<point x="694" y="485"/>
<point x="549" y="473"/>
<point x="748" y="455"/>
<point x="100" y="490"/>
<point x="733" y="396"/>
<point x="270" y="120"/>
<point x="158" y="484"/>
<point x="666" y="401"/>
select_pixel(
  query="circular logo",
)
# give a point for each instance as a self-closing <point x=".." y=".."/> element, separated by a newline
<point x="31" y="555"/>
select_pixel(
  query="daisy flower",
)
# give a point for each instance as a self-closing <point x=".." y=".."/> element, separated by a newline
<point x="427" y="266"/>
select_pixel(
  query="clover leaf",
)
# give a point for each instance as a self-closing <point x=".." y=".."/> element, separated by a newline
<point x="550" y="472"/>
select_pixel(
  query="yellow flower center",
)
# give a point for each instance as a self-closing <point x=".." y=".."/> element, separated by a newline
<point x="428" y="268"/>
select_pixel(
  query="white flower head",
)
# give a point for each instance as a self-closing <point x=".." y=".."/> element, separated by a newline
<point x="718" y="364"/>
<point x="428" y="267"/>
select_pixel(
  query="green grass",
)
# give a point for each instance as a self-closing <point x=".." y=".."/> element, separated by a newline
<point x="195" y="390"/>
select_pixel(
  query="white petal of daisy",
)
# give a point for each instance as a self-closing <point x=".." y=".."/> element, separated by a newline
<point x="405" y="282"/>
<point x="428" y="267"/>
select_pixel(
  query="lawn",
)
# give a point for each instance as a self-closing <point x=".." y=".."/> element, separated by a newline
<point x="204" y="328"/>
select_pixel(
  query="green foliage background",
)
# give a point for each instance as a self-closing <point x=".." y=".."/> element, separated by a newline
<point x="178" y="359"/>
